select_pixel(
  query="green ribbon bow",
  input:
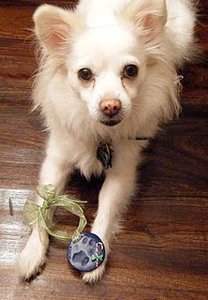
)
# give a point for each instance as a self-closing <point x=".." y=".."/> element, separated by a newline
<point x="97" y="258"/>
<point x="35" y="213"/>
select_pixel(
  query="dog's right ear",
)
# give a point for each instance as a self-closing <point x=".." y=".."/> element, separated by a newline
<point x="148" y="17"/>
<point x="54" y="27"/>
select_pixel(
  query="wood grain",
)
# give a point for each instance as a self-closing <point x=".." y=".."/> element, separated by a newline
<point x="161" y="252"/>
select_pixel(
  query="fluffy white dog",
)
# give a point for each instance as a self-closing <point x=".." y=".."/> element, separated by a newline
<point x="108" y="73"/>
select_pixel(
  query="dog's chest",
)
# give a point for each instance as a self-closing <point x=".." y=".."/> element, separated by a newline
<point x="85" y="159"/>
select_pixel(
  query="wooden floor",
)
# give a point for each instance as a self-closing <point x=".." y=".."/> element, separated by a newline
<point x="162" y="253"/>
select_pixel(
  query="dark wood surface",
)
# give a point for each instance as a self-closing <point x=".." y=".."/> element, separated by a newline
<point x="162" y="251"/>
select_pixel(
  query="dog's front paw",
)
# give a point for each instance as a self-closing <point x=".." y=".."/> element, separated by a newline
<point x="33" y="256"/>
<point x="95" y="275"/>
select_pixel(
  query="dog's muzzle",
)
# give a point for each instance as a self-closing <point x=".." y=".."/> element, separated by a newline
<point x="110" y="109"/>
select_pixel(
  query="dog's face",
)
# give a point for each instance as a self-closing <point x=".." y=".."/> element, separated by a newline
<point x="105" y="66"/>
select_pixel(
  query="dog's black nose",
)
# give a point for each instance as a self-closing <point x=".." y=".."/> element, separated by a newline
<point x="110" y="107"/>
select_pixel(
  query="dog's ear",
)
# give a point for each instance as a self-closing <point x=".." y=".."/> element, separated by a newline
<point x="147" y="16"/>
<point x="55" y="26"/>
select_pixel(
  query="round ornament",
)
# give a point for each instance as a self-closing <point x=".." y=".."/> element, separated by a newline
<point x="86" y="253"/>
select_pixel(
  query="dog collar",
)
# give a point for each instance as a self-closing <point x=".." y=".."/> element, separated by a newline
<point x="105" y="151"/>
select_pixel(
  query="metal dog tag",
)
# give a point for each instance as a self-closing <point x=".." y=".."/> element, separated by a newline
<point x="105" y="154"/>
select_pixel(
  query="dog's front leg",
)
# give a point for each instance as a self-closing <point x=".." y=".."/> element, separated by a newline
<point x="114" y="196"/>
<point x="55" y="169"/>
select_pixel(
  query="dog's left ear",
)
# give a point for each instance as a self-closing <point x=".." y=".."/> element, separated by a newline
<point x="54" y="27"/>
<point x="147" y="16"/>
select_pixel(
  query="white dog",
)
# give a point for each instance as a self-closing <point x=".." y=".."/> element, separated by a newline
<point x="108" y="73"/>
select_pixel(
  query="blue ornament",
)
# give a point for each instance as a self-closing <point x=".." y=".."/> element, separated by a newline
<point x="86" y="253"/>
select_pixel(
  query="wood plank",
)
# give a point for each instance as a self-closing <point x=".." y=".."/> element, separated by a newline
<point x="148" y="246"/>
<point x="31" y="3"/>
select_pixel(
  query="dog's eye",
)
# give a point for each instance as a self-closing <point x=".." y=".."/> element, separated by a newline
<point x="85" y="74"/>
<point x="130" y="71"/>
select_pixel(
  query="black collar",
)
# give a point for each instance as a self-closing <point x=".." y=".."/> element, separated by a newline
<point x="105" y="151"/>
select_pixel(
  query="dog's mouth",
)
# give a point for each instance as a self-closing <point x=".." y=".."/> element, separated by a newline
<point x="111" y="123"/>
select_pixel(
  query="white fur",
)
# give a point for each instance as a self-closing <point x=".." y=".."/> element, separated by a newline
<point x="105" y="36"/>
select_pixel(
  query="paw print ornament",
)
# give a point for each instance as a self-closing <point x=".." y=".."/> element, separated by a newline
<point x="86" y="253"/>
